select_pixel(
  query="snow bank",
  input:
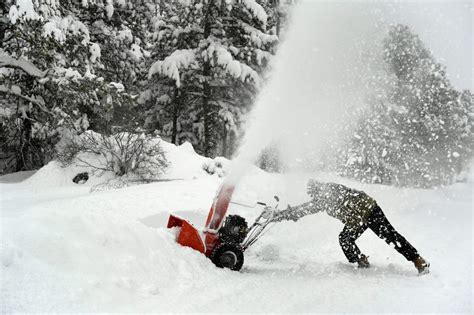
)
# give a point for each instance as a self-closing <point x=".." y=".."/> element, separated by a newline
<point x="80" y="255"/>
<point x="70" y="251"/>
<point x="16" y="177"/>
<point x="63" y="249"/>
<point x="54" y="175"/>
<point x="185" y="163"/>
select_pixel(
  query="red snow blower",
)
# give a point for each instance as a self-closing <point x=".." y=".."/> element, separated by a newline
<point x="224" y="243"/>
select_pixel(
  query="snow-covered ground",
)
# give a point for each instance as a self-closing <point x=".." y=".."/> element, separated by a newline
<point x="64" y="248"/>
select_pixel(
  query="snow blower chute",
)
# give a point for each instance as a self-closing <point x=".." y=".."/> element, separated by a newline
<point x="224" y="242"/>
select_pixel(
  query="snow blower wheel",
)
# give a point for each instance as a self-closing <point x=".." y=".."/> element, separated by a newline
<point x="228" y="255"/>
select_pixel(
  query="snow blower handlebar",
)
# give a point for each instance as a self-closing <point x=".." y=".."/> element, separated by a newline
<point x="259" y="227"/>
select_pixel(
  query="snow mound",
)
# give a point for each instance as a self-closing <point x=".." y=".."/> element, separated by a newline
<point x="185" y="163"/>
<point x="53" y="174"/>
<point x="81" y="252"/>
<point x="63" y="249"/>
<point x="66" y="250"/>
<point x="219" y="166"/>
<point x="16" y="177"/>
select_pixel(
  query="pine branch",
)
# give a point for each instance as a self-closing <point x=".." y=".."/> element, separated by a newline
<point x="5" y="90"/>
<point x="28" y="67"/>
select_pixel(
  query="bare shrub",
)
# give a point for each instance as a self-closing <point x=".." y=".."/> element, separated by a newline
<point x="136" y="155"/>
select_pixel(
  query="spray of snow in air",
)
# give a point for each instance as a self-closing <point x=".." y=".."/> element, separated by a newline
<point x="321" y="76"/>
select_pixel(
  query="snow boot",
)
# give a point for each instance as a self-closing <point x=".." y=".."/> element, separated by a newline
<point x="363" y="261"/>
<point x="422" y="265"/>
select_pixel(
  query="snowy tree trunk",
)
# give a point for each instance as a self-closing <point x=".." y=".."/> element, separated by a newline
<point x="276" y="9"/>
<point x="24" y="147"/>
<point x="225" y="148"/>
<point x="176" y="106"/>
<point x="208" y="112"/>
<point x="162" y="6"/>
<point x="3" y="24"/>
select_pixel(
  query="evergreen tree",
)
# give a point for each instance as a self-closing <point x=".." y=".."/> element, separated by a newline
<point x="189" y="69"/>
<point x="53" y="77"/>
<point x="419" y="134"/>
<point x="217" y="52"/>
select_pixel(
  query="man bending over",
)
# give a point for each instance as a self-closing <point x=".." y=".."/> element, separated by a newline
<point x="358" y="212"/>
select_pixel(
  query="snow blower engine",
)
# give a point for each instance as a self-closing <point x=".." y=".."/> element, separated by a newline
<point x="223" y="241"/>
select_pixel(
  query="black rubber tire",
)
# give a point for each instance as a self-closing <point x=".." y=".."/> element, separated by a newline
<point x="228" y="255"/>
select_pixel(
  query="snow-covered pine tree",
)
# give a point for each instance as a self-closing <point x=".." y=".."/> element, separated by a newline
<point x="421" y="133"/>
<point x="170" y="103"/>
<point x="53" y="76"/>
<point x="280" y="13"/>
<point x="84" y="65"/>
<point x="34" y="70"/>
<point x="217" y="52"/>
<point x="121" y="31"/>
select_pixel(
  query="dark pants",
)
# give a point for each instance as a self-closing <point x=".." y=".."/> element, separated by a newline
<point x="380" y="225"/>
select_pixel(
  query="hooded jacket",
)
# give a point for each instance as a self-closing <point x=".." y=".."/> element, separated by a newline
<point x="350" y="206"/>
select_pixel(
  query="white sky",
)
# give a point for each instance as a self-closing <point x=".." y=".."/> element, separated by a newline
<point x="446" y="27"/>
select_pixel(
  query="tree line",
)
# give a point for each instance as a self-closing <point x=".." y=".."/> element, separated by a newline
<point x="187" y="69"/>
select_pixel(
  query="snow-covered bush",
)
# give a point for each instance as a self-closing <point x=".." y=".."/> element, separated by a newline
<point x="270" y="160"/>
<point x="136" y="155"/>
<point x="218" y="165"/>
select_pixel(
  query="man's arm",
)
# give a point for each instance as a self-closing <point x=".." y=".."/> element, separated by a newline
<point x="297" y="212"/>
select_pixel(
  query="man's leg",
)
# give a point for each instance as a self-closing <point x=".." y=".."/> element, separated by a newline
<point x="347" y="239"/>
<point x="379" y="223"/>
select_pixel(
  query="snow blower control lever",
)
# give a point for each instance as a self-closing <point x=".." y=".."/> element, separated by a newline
<point x="223" y="241"/>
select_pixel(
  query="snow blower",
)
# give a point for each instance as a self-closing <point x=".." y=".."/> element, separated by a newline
<point x="223" y="241"/>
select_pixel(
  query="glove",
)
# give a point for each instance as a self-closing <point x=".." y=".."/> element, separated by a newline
<point x="278" y="217"/>
<point x="267" y="213"/>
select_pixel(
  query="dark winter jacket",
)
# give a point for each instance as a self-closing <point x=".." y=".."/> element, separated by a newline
<point x="350" y="206"/>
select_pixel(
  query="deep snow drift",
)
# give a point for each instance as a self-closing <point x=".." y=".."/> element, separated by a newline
<point x="66" y="249"/>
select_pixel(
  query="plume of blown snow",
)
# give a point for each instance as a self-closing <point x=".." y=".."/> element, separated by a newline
<point x="321" y="77"/>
